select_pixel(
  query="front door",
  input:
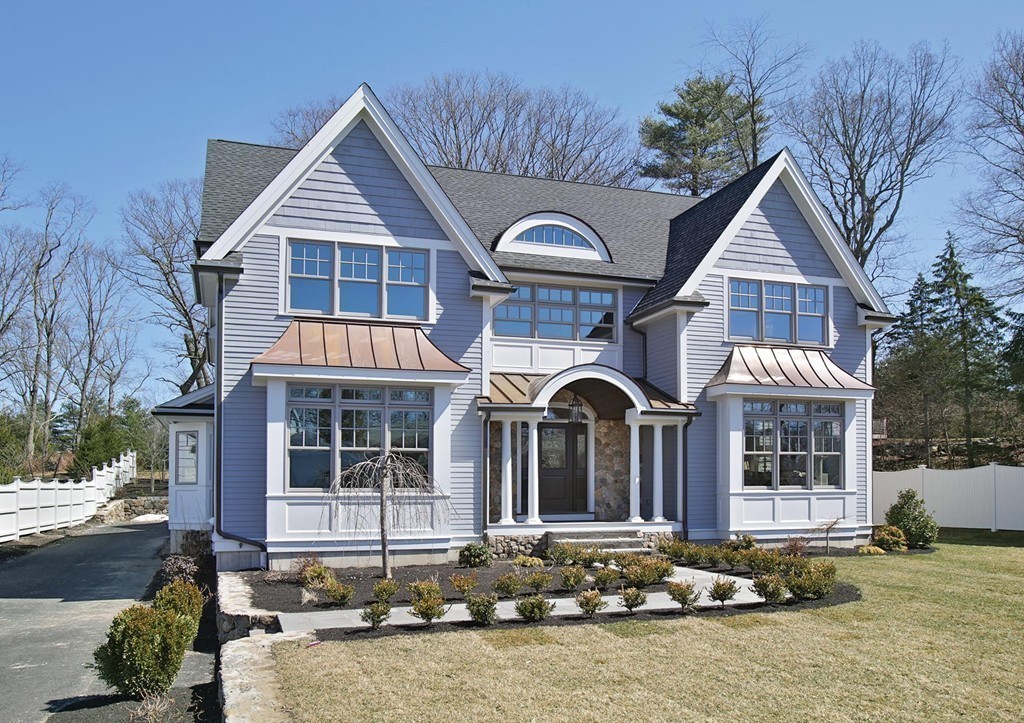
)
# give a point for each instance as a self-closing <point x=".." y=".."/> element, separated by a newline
<point x="563" y="468"/>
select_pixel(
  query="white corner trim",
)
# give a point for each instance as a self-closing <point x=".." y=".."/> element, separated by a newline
<point x="264" y="373"/>
<point x="788" y="171"/>
<point x="361" y="105"/>
<point x="508" y="242"/>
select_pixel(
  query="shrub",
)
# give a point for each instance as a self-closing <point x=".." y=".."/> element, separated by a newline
<point x="588" y="557"/>
<point x="631" y="598"/>
<point x="694" y="554"/>
<point x="771" y="588"/>
<point x="424" y="588"/>
<point x="674" y="549"/>
<point x="144" y="651"/>
<point x="722" y="590"/>
<point x="742" y="542"/>
<point x="475" y="554"/>
<point x="729" y="558"/>
<point x="625" y="559"/>
<point x="890" y="538"/>
<point x="605" y="578"/>
<point x="376" y="614"/>
<point x="316" y="576"/>
<point x="528" y="561"/>
<point x="464" y="583"/>
<point x="870" y="550"/>
<point x="482" y="608"/>
<point x="815" y="581"/>
<point x="563" y="552"/>
<point x="196" y="544"/>
<point x="795" y="546"/>
<point x="573" y="576"/>
<point x="760" y="561"/>
<point x="178" y="567"/>
<point x="508" y="585"/>
<point x="427" y="600"/>
<point x="538" y="580"/>
<point x="385" y="589"/>
<point x="534" y="608"/>
<point x="647" y="571"/>
<point x="338" y="592"/>
<point x="712" y="555"/>
<point x="183" y="599"/>
<point x="685" y="594"/>
<point x="909" y="514"/>
<point x="590" y="602"/>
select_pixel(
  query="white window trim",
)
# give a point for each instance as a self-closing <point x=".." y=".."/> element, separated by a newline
<point x="534" y="303"/>
<point x="794" y="280"/>
<point x="508" y="242"/>
<point x="382" y="242"/>
<point x="175" y="471"/>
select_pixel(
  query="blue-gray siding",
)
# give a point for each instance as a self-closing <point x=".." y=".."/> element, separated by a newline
<point x="358" y="188"/>
<point x="777" y="239"/>
<point x="632" y="343"/>
<point x="663" y="354"/>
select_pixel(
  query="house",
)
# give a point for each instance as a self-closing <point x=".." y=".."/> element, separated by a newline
<point x="561" y="357"/>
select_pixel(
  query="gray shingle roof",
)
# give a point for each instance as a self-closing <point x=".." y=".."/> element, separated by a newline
<point x="693" y="233"/>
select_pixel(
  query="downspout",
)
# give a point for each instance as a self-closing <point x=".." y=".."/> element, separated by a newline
<point x="486" y="476"/>
<point x="219" y="421"/>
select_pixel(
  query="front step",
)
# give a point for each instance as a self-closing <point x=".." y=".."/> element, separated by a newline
<point x="598" y="541"/>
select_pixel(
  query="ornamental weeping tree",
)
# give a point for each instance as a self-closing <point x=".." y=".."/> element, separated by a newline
<point x="405" y="496"/>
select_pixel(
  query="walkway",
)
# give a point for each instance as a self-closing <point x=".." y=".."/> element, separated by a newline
<point x="349" y="619"/>
<point x="55" y="606"/>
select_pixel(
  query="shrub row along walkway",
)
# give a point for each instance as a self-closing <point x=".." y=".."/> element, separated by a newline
<point x="349" y="619"/>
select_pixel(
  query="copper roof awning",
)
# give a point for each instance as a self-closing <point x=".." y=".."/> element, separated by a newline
<point x="357" y="346"/>
<point x="784" y="367"/>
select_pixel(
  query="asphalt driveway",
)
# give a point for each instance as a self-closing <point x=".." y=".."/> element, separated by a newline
<point x="55" y="606"/>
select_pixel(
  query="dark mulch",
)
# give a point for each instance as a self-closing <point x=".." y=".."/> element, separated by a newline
<point x="282" y="592"/>
<point x="844" y="593"/>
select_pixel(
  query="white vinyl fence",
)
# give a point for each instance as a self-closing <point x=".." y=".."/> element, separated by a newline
<point x="30" y="506"/>
<point x="989" y="497"/>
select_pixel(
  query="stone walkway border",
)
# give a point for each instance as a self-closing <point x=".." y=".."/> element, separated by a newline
<point x="250" y="689"/>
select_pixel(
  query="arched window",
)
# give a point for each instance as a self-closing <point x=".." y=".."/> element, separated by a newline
<point x="553" y="234"/>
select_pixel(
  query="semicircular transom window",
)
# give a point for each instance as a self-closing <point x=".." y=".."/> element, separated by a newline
<point x="550" y="234"/>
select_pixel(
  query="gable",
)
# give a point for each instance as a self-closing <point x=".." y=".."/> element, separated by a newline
<point x="777" y="238"/>
<point x="358" y="188"/>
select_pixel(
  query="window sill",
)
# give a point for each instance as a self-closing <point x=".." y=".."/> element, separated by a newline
<point x="761" y="491"/>
<point x="350" y="318"/>
<point x="566" y="342"/>
<point x="783" y="344"/>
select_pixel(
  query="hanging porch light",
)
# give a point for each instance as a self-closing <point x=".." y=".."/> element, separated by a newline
<point x="575" y="410"/>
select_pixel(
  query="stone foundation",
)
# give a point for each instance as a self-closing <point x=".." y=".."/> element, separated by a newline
<point x="651" y="539"/>
<point x="507" y="546"/>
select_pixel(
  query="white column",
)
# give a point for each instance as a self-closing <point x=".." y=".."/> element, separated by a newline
<point x="634" y="473"/>
<point x="681" y="460"/>
<point x="658" y="466"/>
<point x="506" y="473"/>
<point x="533" y="453"/>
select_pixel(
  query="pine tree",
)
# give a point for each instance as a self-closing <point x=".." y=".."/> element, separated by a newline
<point x="694" y="137"/>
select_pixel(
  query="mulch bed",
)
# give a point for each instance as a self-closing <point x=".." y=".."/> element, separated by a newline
<point x="282" y="593"/>
<point x="844" y="593"/>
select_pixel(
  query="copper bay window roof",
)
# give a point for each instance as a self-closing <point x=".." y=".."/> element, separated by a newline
<point x="784" y="367"/>
<point x="357" y="346"/>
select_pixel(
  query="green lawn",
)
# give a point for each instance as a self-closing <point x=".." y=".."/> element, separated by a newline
<point x="936" y="636"/>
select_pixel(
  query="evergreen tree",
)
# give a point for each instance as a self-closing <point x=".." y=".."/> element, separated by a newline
<point x="694" y="138"/>
<point x="974" y="330"/>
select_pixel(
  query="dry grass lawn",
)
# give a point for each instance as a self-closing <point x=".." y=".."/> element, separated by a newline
<point x="936" y="636"/>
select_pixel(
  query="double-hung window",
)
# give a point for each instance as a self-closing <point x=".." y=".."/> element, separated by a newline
<point x="792" y="445"/>
<point x="557" y="312"/>
<point x="186" y="446"/>
<point x="774" y="311"/>
<point x="310" y="436"/>
<point x="358" y="280"/>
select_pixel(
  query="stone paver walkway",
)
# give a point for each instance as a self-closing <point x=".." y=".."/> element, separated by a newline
<point x="349" y="619"/>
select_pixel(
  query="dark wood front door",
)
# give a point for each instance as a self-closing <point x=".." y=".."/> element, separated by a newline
<point x="563" y="468"/>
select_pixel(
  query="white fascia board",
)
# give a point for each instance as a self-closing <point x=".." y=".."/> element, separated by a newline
<point x="262" y="373"/>
<point x="788" y="171"/>
<point x="759" y="390"/>
<point x="361" y="105"/>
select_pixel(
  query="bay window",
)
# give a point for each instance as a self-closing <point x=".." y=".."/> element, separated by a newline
<point x="792" y="445"/>
<point x="557" y="312"/>
<point x="357" y="283"/>
<point x="330" y="429"/>
<point x="777" y="312"/>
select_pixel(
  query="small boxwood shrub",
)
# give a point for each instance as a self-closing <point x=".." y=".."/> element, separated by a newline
<point x="573" y="576"/>
<point x="812" y="582"/>
<point x="673" y="549"/>
<point x="528" y="562"/>
<point x="475" y="554"/>
<point x="590" y="602"/>
<point x="534" y="608"/>
<point x="178" y="567"/>
<point x="909" y="514"/>
<point x="427" y="600"/>
<point x="890" y="538"/>
<point x="183" y="599"/>
<point x="685" y="594"/>
<point x="384" y="590"/>
<point x="632" y="598"/>
<point x="465" y="584"/>
<point x="143" y="652"/>
<point x="647" y="571"/>
<point x="482" y="608"/>
<point x="376" y="614"/>
<point x="588" y="557"/>
<point x="338" y="592"/>
<point x="741" y="542"/>
<point x="508" y="584"/>
<point x="870" y="550"/>
<point x="562" y="553"/>
<point x="771" y="588"/>
<point x="605" y="577"/>
<point x="794" y="546"/>
<point x="316" y="576"/>
<point x="722" y="590"/>
<point x="538" y="580"/>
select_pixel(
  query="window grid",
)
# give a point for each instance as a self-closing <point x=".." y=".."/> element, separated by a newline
<point x="553" y="235"/>
<point x="792" y="445"/>
<point x="784" y="312"/>
<point x="186" y="460"/>
<point x="551" y="312"/>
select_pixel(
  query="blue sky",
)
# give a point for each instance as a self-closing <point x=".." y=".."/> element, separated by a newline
<point x="111" y="97"/>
